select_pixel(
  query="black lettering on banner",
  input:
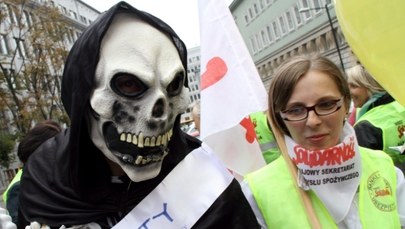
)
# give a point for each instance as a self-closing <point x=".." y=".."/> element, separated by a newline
<point x="337" y="179"/>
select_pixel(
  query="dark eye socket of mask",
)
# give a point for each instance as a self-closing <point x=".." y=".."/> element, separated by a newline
<point x="174" y="88"/>
<point x="128" y="85"/>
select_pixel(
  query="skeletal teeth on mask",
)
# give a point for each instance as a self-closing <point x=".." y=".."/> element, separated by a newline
<point x="140" y="140"/>
<point x="143" y="141"/>
<point x="146" y="159"/>
<point x="158" y="140"/>
<point x="138" y="160"/>
<point x="129" y="137"/>
<point x="123" y="137"/>
<point x="170" y="135"/>
<point x="135" y="140"/>
<point x="146" y="142"/>
<point x="143" y="160"/>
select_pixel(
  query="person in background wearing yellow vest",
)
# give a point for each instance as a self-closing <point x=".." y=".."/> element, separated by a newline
<point x="34" y="138"/>
<point x="323" y="179"/>
<point x="265" y="137"/>
<point x="380" y="120"/>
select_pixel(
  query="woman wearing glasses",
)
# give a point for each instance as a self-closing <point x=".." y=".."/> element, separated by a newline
<point x="324" y="179"/>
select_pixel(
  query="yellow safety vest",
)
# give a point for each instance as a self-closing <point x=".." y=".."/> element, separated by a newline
<point x="392" y="124"/>
<point x="280" y="204"/>
<point x="16" y="178"/>
<point x="265" y="137"/>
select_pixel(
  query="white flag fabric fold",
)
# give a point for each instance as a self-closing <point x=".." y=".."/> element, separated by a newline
<point x="231" y="89"/>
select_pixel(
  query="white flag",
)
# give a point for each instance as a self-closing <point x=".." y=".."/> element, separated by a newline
<point x="231" y="89"/>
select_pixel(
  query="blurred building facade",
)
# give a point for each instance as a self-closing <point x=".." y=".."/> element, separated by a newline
<point x="275" y="30"/>
<point x="17" y="17"/>
<point x="193" y="72"/>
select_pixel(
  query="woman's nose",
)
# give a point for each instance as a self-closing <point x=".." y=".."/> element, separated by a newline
<point x="313" y="119"/>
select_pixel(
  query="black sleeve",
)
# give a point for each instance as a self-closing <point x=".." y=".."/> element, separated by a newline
<point x="22" y="222"/>
<point x="230" y="210"/>
<point x="13" y="202"/>
<point x="368" y="135"/>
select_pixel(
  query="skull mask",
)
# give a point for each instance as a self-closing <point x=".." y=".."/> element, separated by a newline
<point x="139" y="91"/>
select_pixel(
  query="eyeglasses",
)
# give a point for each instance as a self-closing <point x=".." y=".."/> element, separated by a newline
<point x="299" y="112"/>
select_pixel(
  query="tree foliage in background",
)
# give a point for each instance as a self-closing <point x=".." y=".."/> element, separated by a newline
<point x="6" y="147"/>
<point x="36" y="36"/>
<point x="31" y="72"/>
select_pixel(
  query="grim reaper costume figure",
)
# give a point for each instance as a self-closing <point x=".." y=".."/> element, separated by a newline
<point x="124" y="162"/>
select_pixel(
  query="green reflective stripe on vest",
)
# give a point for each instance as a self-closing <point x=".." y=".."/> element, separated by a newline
<point x="277" y="198"/>
<point x="268" y="144"/>
<point x="16" y="178"/>
<point x="392" y="124"/>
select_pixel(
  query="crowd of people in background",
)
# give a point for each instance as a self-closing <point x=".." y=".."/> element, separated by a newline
<point x="41" y="132"/>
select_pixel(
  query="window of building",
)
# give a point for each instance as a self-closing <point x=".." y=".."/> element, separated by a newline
<point x="255" y="8"/>
<point x="298" y="18"/>
<point x="305" y="5"/>
<point x="290" y="20"/>
<point x="83" y="19"/>
<point x="262" y="4"/>
<point x="26" y="19"/>
<point x="275" y="29"/>
<point x="3" y="8"/>
<point x="246" y="18"/>
<point x="259" y="42"/>
<point x="21" y="50"/>
<point x="317" y="6"/>
<point x="251" y="13"/>
<point x="4" y="48"/>
<point x="11" y="14"/>
<point x="283" y="25"/>
<point x="269" y="34"/>
<point x="73" y="14"/>
<point x="264" y="38"/>
<point x="253" y="45"/>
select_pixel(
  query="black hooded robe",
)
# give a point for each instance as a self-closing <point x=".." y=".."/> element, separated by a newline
<point x="67" y="180"/>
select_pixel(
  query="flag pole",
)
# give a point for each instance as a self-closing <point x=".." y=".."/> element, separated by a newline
<point x="313" y="219"/>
